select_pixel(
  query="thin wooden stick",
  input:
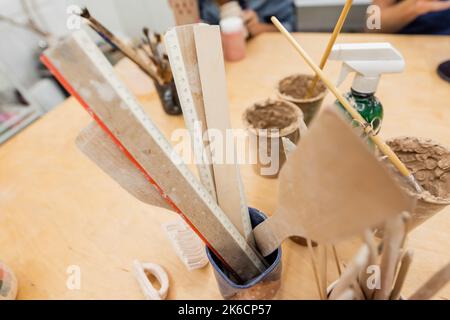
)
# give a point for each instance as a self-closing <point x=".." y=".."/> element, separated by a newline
<point x="336" y="260"/>
<point x="334" y="35"/>
<point x="403" y="271"/>
<point x="384" y="148"/>
<point x="433" y="285"/>
<point x="323" y="250"/>
<point x="314" y="265"/>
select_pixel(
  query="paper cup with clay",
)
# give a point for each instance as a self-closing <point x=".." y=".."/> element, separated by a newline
<point x="263" y="287"/>
<point x="267" y="123"/>
<point x="429" y="162"/>
<point x="294" y="89"/>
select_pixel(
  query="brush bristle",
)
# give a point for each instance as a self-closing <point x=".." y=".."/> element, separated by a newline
<point x="85" y="13"/>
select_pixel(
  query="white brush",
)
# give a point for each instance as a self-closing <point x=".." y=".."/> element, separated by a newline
<point x="187" y="245"/>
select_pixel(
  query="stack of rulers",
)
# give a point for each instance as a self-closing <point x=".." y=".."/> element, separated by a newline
<point x="126" y="144"/>
<point x="322" y="196"/>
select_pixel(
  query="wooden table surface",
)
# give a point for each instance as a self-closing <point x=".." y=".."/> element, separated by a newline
<point x="57" y="209"/>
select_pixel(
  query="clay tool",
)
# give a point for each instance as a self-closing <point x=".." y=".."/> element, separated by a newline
<point x="228" y="182"/>
<point x="79" y="65"/>
<point x="334" y="35"/>
<point x="185" y="11"/>
<point x="384" y="148"/>
<point x="94" y="142"/>
<point x="180" y="46"/>
<point x="348" y="294"/>
<point x="290" y="147"/>
<point x="142" y="271"/>
<point x="187" y="244"/>
<point x="433" y="285"/>
<point x="369" y="240"/>
<point x="401" y="276"/>
<point x="392" y="241"/>
<point x="100" y="149"/>
<point x="317" y="197"/>
<point x="109" y="37"/>
<point x="350" y="274"/>
<point x="323" y="253"/>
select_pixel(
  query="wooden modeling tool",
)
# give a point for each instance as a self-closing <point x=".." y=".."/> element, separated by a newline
<point x="350" y="274"/>
<point x="95" y="143"/>
<point x="433" y="285"/>
<point x="392" y="241"/>
<point x="228" y="181"/>
<point x="334" y="35"/>
<point x="331" y="187"/>
<point x="130" y="53"/>
<point x="79" y="65"/>
<point x="384" y="148"/>
<point x="100" y="149"/>
<point x="405" y="263"/>
<point x="289" y="147"/>
<point x="195" y="53"/>
<point x="185" y="11"/>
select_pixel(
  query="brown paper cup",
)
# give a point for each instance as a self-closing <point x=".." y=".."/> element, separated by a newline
<point x="266" y="146"/>
<point x="429" y="162"/>
<point x="294" y="89"/>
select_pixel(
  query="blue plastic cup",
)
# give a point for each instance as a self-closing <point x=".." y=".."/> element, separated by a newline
<point x="263" y="287"/>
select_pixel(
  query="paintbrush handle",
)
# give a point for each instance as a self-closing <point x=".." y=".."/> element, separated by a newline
<point x="126" y="50"/>
<point x="353" y="112"/>
<point x="433" y="285"/>
<point x="334" y="35"/>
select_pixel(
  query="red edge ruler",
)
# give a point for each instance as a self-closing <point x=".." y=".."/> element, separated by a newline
<point x="84" y="71"/>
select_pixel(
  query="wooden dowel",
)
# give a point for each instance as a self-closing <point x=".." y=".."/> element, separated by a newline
<point x="323" y="252"/>
<point x="401" y="277"/>
<point x="334" y="35"/>
<point x="384" y="148"/>
<point x="314" y="266"/>
<point x="336" y="260"/>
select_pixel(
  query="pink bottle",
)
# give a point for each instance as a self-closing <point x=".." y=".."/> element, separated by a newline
<point x="233" y="38"/>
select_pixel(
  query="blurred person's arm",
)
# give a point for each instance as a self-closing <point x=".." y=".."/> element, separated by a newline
<point x="396" y="15"/>
<point x="254" y="25"/>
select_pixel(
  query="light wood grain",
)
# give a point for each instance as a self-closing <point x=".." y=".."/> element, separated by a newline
<point x="57" y="208"/>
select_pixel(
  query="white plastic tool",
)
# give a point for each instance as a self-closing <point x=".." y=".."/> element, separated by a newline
<point x="140" y="272"/>
<point x="369" y="61"/>
<point x="187" y="245"/>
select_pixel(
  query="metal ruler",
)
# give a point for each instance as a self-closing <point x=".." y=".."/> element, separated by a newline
<point x="85" y="72"/>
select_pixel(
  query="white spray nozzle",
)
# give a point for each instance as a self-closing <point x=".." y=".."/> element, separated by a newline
<point x="369" y="61"/>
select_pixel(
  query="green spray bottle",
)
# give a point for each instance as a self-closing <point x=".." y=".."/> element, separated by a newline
<point x="369" y="61"/>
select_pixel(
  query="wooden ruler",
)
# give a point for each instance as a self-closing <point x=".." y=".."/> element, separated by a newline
<point x="180" y="48"/>
<point x="80" y="66"/>
<point x="195" y="54"/>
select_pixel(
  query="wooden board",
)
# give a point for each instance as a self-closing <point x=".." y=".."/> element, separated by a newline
<point x="58" y="209"/>
<point x="229" y="188"/>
